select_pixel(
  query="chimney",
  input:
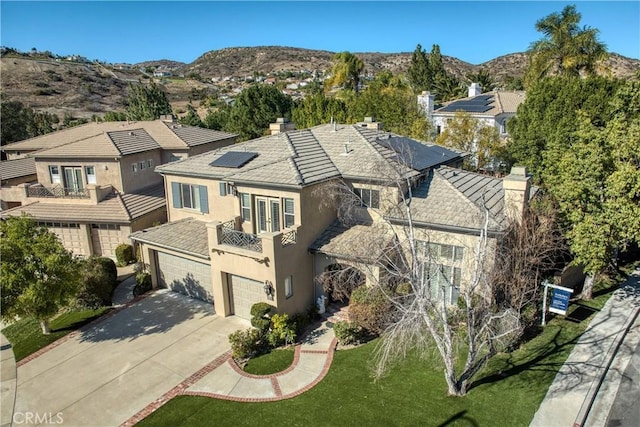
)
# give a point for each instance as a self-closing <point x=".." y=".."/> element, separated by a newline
<point x="517" y="189"/>
<point x="370" y="123"/>
<point x="426" y="103"/>
<point x="475" y="89"/>
<point x="281" y="125"/>
<point x="168" y="118"/>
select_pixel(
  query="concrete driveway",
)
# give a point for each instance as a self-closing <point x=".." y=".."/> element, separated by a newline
<point x="109" y="372"/>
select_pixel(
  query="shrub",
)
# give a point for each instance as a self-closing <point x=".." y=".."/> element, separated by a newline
<point x="283" y="331"/>
<point x="304" y="319"/>
<point x="370" y="309"/>
<point x="347" y="332"/>
<point x="99" y="279"/>
<point x="124" y="254"/>
<point x="245" y="343"/>
<point x="260" y="321"/>
<point x="143" y="283"/>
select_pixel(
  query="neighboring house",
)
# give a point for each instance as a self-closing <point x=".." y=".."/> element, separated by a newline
<point x="96" y="182"/>
<point x="254" y="222"/>
<point x="494" y="108"/>
<point x="12" y="173"/>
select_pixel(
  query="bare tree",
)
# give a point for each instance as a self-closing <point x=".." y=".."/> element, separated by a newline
<point x="422" y="316"/>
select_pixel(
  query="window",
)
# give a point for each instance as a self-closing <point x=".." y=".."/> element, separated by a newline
<point x="368" y="198"/>
<point x="143" y="165"/>
<point x="444" y="281"/>
<point x="437" y="250"/>
<point x="90" y="172"/>
<point x="134" y="167"/>
<point x="245" y="206"/>
<point x="190" y="196"/>
<point x="288" y="287"/>
<point x="106" y="226"/>
<point x="54" y="172"/>
<point x="174" y="158"/>
<point x="289" y="213"/>
<point x="149" y="163"/>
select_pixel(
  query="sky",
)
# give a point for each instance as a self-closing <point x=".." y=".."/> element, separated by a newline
<point x="132" y="32"/>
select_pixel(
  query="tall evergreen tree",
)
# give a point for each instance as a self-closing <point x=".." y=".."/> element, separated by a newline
<point x="419" y="72"/>
<point x="346" y="71"/>
<point x="147" y="102"/>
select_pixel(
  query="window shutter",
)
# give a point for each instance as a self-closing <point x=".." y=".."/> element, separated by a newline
<point x="223" y="188"/>
<point x="175" y="195"/>
<point x="204" y="199"/>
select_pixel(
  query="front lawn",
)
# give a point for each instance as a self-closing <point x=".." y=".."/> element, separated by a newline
<point x="506" y="393"/>
<point x="275" y="361"/>
<point x="26" y="336"/>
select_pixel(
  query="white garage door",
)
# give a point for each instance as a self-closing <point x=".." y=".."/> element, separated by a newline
<point x="70" y="235"/>
<point x="185" y="276"/>
<point x="105" y="239"/>
<point x="244" y="293"/>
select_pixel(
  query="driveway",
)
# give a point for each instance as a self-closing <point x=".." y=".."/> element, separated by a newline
<point x="106" y="374"/>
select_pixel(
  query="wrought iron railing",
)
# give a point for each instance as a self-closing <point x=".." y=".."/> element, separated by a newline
<point x="289" y="238"/>
<point x="58" y="192"/>
<point x="240" y="240"/>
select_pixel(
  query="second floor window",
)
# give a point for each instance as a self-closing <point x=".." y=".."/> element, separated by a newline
<point x="90" y="172"/>
<point x="289" y="213"/>
<point x="54" y="172"/>
<point x="368" y="198"/>
<point x="190" y="196"/>
<point x="245" y="206"/>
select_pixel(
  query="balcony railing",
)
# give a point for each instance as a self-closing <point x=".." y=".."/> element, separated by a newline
<point x="240" y="240"/>
<point x="58" y="192"/>
<point x="289" y="238"/>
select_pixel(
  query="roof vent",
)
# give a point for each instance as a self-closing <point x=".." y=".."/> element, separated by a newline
<point x="131" y="133"/>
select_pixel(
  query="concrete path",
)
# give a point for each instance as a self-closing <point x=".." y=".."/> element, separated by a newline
<point x="105" y="374"/>
<point x="579" y="387"/>
<point x="124" y="292"/>
<point x="7" y="382"/>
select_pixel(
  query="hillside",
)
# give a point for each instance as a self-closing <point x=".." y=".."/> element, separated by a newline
<point x="83" y="88"/>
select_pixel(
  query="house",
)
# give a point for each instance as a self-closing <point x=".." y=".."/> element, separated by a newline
<point x="96" y="182"/>
<point x="255" y="222"/>
<point x="493" y="108"/>
<point x="13" y="173"/>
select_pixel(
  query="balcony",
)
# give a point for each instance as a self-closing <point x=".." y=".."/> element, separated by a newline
<point x="230" y="236"/>
<point x="57" y="192"/>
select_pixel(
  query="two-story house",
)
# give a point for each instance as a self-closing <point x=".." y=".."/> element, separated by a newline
<point x="256" y="222"/>
<point x="96" y="182"/>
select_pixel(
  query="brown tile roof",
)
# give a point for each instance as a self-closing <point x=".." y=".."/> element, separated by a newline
<point x="186" y="235"/>
<point x="359" y="242"/>
<point x="94" y="135"/>
<point x="303" y="157"/>
<point x="115" y="208"/>
<point x="10" y="169"/>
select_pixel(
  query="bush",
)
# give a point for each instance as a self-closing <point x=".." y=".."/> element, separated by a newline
<point x="347" y="332"/>
<point x="282" y="331"/>
<point x="370" y="309"/>
<point x="245" y="343"/>
<point x="304" y="319"/>
<point x="99" y="279"/>
<point x="260" y="321"/>
<point x="143" y="283"/>
<point x="124" y="254"/>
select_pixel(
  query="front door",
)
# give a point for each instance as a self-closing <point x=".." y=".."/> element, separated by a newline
<point x="73" y="179"/>
<point x="268" y="212"/>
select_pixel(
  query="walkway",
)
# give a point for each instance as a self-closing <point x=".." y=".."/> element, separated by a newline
<point x="574" y="398"/>
<point x="7" y="382"/>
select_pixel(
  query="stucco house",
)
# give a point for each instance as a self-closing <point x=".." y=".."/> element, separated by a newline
<point x="13" y="173"/>
<point x="493" y="108"/>
<point x="255" y="221"/>
<point x="96" y="182"/>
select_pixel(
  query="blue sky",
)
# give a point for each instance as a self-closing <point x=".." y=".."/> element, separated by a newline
<point x="126" y="31"/>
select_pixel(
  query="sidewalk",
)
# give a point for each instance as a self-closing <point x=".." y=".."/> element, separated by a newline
<point x="574" y="393"/>
<point x="7" y="382"/>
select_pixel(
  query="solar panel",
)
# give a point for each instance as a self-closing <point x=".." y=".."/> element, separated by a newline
<point x="234" y="159"/>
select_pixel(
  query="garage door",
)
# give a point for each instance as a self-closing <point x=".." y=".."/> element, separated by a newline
<point x="71" y="236"/>
<point x="183" y="275"/>
<point x="105" y="239"/>
<point x="244" y="293"/>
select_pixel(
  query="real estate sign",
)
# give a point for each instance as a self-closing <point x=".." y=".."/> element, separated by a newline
<point x="560" y="299"/>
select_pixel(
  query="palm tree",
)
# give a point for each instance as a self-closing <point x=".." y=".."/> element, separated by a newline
<point x="566" y="48"/>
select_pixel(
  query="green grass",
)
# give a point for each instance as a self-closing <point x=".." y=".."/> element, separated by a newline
<point x="270" y="363"/>
<point x="26" y="336"/>
<point x="506" y="393"/>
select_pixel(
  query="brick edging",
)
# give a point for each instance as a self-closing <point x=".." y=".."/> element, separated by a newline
<point x="240" y="371"/>
<point x="78" y="331"/>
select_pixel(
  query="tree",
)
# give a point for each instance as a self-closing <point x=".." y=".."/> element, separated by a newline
<point x="484" y="78"/>
<point x="482" y="141"/>
<point x="254" y="109"/>
<point x="147" y="102"/>
<point x="39" y="276"/>
<point x="20" y="122"/>
<point x="192" y="118"/>
<point x="345" y="72"/>
<point x="419" y="72"/>
<point x="317" y="109"/>
<point x="566" y="49"/>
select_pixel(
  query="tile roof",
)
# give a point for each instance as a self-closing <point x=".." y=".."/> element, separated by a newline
<point x="166" y="135"/>
<point x="304" y="157"/>
<point x="455" y="198"/>
<point x="186" y="235"/>
<point x="500" y="102"/>
<point x="115" y="208"/>
<point x="361" y="242"/>
<point x="17" y="168"/>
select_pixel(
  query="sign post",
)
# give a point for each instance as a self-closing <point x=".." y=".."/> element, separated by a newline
<point x="559" y="300"/>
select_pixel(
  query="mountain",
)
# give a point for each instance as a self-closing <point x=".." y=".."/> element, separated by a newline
<point x="79" y="88"/>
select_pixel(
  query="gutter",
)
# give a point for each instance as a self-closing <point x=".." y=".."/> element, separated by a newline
<point x="193" y="254"/>
<point x="442" y="227"/>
